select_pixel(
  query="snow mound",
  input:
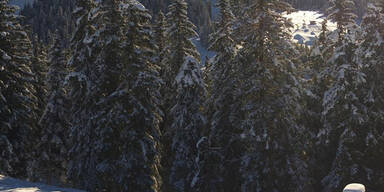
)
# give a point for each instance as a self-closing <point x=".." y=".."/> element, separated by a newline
<point x="354" y="187"/>
<point x="8" y="184"/>
<point x="307" y="26"/>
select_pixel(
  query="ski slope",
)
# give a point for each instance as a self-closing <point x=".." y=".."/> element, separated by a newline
<point x="8" y="184"/>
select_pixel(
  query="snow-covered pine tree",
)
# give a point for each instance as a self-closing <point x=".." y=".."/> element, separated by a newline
<point x="238" y="5"/>
<point x="342" y="12"/>
<point x="187" y="124"/>
<point x="140" y="97"/>
<point x="81" y="82"/>
<point x="379" y="4"/>
<point x="345" y="113"/>
<point x="126" y="114"/>
<point x="17" y="94"/>
<point x="185" y="87"/>
<point x="318" y="81"/>
<point x="94" y="154"/>
<point x="52" y="146"/>
<point x="123" y="114"/>
<point x="160" y="37"/>
<point x="269" y="96"/>
<point x="363" y="149"/>
<point x="7" y="157"/>
<point x="45" y="17"/>
<point x="219" y="164"/>
<point x="162" y="52"/>
<point x="39" y="68"/>
<point x="180" y="31"/>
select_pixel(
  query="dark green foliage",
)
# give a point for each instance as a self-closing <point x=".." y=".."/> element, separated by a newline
<point x="359" y="144"/>
<point x="141" y="85"/>
<point x="161" y="41"/>
<point x="53" y="143"/>
<point x="199" y="12"/>
<point x="268" y="95"/>
<point x="17" y="95"/>
<point x="39" y="68"/>
<point x="80" y="81"/>
<point x="120" y="152"/>
<point x="342" y="12"/>
<point x="221" y="157"/>
<point x="185" y="91"/>
<point x="47" y="16"/>
<point x="271" y="117"/>
<point x="344" y="114"/>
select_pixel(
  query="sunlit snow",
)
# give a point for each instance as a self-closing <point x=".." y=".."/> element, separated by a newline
<point x="307" y="26"/>
<point x="8" y="184"/>
<point x="354" y="187"/>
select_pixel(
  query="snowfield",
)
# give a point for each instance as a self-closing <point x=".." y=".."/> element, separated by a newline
<point x="307" y="26"/>
<point x="8" y="184"/>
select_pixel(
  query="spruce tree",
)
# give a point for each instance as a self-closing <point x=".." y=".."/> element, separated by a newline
<point x="102" y="78"/>
<point x="185" y="94"/>
<point x="53" y="144"/>
<point x="126" y="114"/>
<point x="180" y="29"/>
<point x="45" y="17"/>
<point x="269" y="93"/>
<point x="17" y="94"/>
<point x="122" y="122"/>
<point x="39" y="68"/>
<point x="81" y="82"/>
<point x="358" y="147"/>
<point x="345" y="114"/>
<point x="161" y="41"/>
<point x="319" y="82"/>
<point x="219" y="164"/>
<point x="342" y="12"/>
<point x="187" y="124"/>
<point x="143" y="83"/>
<point x="371" y="55"/>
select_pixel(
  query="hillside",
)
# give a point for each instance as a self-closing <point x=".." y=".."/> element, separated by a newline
<point x="20" y="3"/>
<point x="307" y="26"/>
<point x="14" y="185"/>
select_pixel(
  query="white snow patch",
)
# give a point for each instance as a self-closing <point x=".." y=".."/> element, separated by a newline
<point x="188" y="76"/>
<point x="6" y="57"/>
<point x="354" y="187"/>
<point x="204" y="53"/>
<point x="8" y="184"/>
<point x="307" y="26"/>
<point x="200" y="141"/>
<point x="137" y="5"/>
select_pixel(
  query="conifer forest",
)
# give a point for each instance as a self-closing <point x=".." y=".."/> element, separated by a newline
<point x="118" y="96"/>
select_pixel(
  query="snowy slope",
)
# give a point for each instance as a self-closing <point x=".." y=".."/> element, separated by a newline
<point x="20" y="3"/>
<point x="204" y="53"/>
<point x="307" y="26"/>
<point x="8" y="184"/>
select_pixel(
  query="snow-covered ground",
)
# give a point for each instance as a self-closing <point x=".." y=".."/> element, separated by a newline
<point x="204" y="53"/>
<point x="307" y="26"/>
<point x="8" y="184"/>
<point x="20" y="3"/>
